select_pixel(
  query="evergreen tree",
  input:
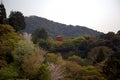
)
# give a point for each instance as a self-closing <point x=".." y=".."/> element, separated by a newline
<point x="118" y="32"/>
<point x="38" y="34"/>
<point x="17" y="20"/>
<point x="2" y="13"/>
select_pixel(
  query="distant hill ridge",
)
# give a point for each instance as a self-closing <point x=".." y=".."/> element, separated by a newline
<point x="55" y="28"/>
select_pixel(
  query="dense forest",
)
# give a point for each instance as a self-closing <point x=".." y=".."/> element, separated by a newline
<point x="38" y="56"/>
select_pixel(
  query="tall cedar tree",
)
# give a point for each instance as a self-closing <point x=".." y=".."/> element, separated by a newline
<point x="17" y="20"/>
<point x="2" y="13"/>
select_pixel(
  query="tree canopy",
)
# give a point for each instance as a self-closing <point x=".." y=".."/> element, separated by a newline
<point x="17" y="20"/>
<point x="39" y="34"/>
<point x="8" y="40"/>
<point x="2" y="13"/>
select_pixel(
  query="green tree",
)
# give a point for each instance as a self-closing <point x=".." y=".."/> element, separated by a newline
<point x="22" y="49"/>
<point x="55" y="66"/>
<point x="17" y="20"/>
<point x="79" y="60"/>
<point x="111" y="68"/>
<point x="39" y="34"/>
<point x="2" y="13"/>
<point x="111" y="40"/>
<point x="43" y="73"/>
<point x="54" y="58"/>
<point x="99" y="54"/>
<point x="67" y="46"/>
<point x="76" y="45"/>
<point x="77" y="72"/>
<point x="28" y="58"/>
<point x="31" y="63"/>
<point x="8" y="73"/>
<point x="118" y="32"/>
<point x="108" y="36"/>
<point x="45" y="44"/>
<point x="8" y="40"/>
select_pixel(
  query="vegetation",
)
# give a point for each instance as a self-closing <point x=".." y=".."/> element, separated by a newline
<point x="54" y="28"/>
<point x="43" y="58"/>
<point x="2" y="13"/>
<point x="39" y="34"/>
<point x="16" y="20"/>
<point x="8" y="40"/>
<point x="111" y="68"/>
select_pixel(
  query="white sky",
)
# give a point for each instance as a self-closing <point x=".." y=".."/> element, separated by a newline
<point x="101" y="15"/>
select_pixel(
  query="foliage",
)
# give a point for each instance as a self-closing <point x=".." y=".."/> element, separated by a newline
<point x="112" y="40"/>
<point x="54" y="58"/>
<point x="99" y="54"/>
<point x="28" y="58"/>
<point x="54" y="28"/>
<point x="22" y="49"/>
<point x="22" y="59"/>
<point x="77" y="72"/>
<point x="118" y="32"/>
<point x="108" y="36"/>
<point x="79" y="60"/>
<point x="17" y="20"/>
<point x="8" y="40"/>
<point x="43" y="73"/>
<point x="111" y="68"/>
<point x="8" y="73"/>
<point x="39" y="34"/>
<point x="67" y="60"/>
<point x="55" y="66"/>
<point x="45" y="44"/>
<point x="73" y="46"/>
<point x="31" y="63"/>
<point x="2" y="13"/>
<point x="67" y="46"/>
<point x="3" y="63"/>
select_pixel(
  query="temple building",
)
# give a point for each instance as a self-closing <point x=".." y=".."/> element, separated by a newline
<point x="59" y="38"/>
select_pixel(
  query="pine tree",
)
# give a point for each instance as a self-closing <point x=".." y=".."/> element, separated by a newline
<point x="17" y="20"/>
<point x="2" y="13"/>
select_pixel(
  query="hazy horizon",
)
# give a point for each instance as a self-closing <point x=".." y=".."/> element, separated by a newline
<point x="100" y="15"/>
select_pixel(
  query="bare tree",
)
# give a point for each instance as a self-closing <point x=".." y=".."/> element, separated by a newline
<point x="57" y="73"/>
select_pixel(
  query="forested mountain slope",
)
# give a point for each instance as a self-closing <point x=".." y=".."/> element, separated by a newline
<point x="55" y="28"/>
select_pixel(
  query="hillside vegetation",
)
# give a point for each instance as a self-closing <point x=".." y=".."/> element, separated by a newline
<point x="38" y="56"/>
<point x="54" y="28"/>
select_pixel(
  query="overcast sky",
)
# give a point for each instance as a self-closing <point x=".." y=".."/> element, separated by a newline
<point x="100" y="15"/>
